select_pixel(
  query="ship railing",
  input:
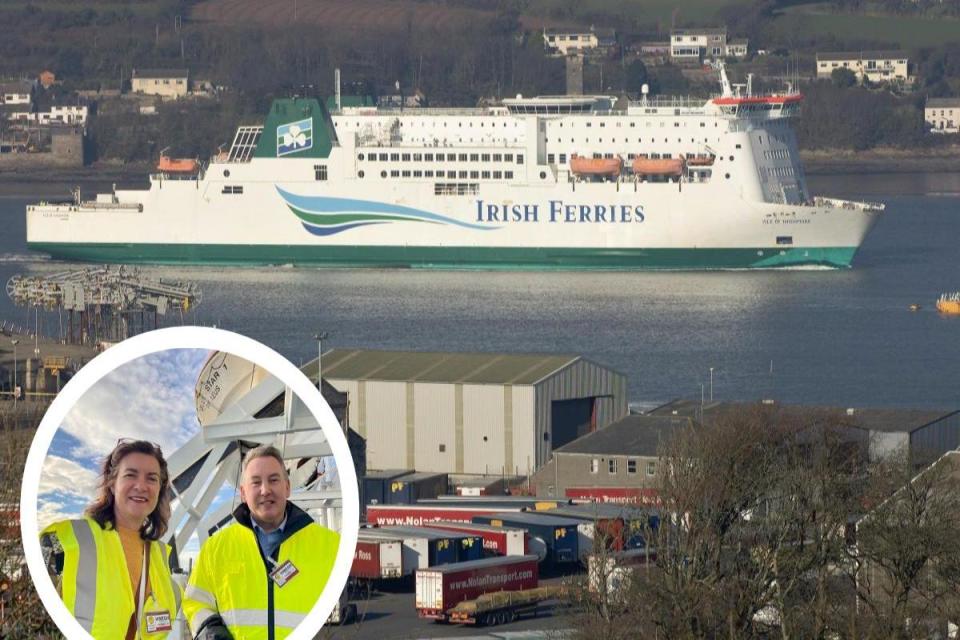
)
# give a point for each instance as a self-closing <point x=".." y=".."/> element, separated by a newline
<point x="664" y="102"/>
<point x="836" y="203"/>
<point x="373" y="142"/>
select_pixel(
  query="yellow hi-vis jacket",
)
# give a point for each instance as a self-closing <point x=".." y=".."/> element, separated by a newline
<point x="95" y="583"/>
<point x="230" y="587"/>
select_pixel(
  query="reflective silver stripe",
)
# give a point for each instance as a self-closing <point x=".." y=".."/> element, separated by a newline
<point x="85" y="604"/>
<point x="199" y="618"/>
<point x="173" y="583"/>
<point x="200" y="595"/>
<point x="258" y="618"/>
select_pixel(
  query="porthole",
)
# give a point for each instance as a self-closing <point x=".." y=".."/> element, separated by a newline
<point x="360" y="174"/>
<point x="360" y="156"/>
<point x="543" y="175"/>
<point x="226" y="173"/>
<point x="727" y="176"/>
<point x="731" y="158"/>
<point x="383" y="174"/>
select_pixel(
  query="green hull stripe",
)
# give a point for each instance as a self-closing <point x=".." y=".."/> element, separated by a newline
<point x="511" y="258"/>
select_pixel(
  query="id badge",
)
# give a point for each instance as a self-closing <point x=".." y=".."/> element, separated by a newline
<point x="284" y="573"/>
<point x="157" y="621"/>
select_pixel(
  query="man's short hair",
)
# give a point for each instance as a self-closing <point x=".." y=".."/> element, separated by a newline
<point x="265" y="451"/>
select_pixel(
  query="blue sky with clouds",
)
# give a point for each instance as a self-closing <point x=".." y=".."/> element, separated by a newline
<point x="151" y="398"/>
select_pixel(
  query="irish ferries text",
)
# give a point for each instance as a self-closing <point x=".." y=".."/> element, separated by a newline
<point x="558" y="211"/>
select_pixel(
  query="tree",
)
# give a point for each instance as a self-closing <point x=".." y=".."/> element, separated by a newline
<point x="843" y="78"/>
<point x="635" y="76"/>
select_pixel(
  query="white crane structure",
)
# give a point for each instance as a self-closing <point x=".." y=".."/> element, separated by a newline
<point x="241" y="406"/>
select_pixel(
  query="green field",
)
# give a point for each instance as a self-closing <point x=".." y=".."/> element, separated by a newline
<point x="626" y="14"/>
<point x="902" y="31"/>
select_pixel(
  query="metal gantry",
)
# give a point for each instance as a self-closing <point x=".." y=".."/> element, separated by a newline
<point x="103" y="303"/>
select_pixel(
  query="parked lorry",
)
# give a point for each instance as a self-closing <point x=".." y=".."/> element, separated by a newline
<point x="559" y="535"/>
<point x="376" y="559"/>
<point x="501" y="607"/>
<point x="497" y="541"/>
<point x="440" y="589"/>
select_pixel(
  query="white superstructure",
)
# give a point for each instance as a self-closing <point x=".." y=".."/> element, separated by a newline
<point x="581" y="182"/>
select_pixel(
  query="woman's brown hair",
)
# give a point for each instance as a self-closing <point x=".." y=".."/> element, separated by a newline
<point x="101" y="509"/>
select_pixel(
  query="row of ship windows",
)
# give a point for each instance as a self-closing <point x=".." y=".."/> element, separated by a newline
<point x="472" y="175"/>
<point x="627" y="140"/>
<point x="676" y="123"/>
<point x="433" y="124"/>
<point x="775" y="154"/>
<point x="780" y="172"/>
<point x="441" y="157"/>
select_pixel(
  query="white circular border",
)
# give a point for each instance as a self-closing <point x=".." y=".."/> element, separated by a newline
<point x="188" y="338"/>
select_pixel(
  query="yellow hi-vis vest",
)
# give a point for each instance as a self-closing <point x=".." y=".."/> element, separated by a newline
<point x="95" y="582"/>
<point x="230" y="578"/>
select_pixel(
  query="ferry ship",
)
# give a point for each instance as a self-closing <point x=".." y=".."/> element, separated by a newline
<point x="570" y="182"/>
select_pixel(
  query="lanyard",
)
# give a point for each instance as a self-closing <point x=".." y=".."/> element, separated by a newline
<point x="141" y="592"/>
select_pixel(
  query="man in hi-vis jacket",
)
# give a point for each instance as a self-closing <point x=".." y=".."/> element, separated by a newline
<point x="259" y="577"/>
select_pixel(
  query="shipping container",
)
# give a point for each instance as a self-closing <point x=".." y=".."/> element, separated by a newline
<point x="497" y="541"/>
<point x="378" y="559"/>
<point x="620" y="527"/>
<point x="558" y="535"/>
<point x="418" y="515"/>
<point x="435" y="546"/>
<point x="506" y="503"/>
<point x="439" y="589"/>
<point x="375" y="487"/>
<point x="409" y="488"/>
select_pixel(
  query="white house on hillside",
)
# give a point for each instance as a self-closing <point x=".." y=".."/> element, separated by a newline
<point x="693" y="45"/>
<point x="876" y="66"/>
<point x="942" y="115"/>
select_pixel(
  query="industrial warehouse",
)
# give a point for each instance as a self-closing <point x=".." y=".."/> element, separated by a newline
<point x="472" y="413"/>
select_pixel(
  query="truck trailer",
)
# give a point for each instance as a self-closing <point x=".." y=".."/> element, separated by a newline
<point x="439" y="589"/>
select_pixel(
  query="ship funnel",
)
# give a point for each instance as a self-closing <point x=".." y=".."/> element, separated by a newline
<point x="336" y="82"/>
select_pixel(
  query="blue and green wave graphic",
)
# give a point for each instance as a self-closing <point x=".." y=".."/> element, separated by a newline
<point x="325" y="216"/>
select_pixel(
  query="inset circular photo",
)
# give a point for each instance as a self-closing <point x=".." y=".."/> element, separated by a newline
<point x="190" y="483"/>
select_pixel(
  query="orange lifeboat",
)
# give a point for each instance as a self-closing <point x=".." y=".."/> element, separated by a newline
<point x="700" y="161"/>
<point x="949" y="303"/>
<point x="658" y="166"/>
<point x="601" y="167"/>
<point x="178" y="165"/>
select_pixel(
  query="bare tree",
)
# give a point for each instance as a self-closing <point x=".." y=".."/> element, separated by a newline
<point x="23" y="613"/>
<point x="905" y="565"/>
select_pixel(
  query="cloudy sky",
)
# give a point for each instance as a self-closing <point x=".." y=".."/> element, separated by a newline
<point x="150" y="398"/>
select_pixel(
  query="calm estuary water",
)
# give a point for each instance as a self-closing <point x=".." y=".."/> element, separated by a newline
<point x="842" y="338"/>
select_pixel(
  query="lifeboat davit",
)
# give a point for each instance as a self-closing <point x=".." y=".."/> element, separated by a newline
<point x="700" y="161"/>
<point x="178" y="165"/>
<point x="603" y="167"/>
<point x="658" y="166"/>
<point x="949" y="303"/>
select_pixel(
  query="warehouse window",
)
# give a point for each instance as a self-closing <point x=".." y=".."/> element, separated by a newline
<point x="651" y="468"/>
<point x="612" y="465"/>
<point x="631" y="465"/>
<point x="595" y="465"/>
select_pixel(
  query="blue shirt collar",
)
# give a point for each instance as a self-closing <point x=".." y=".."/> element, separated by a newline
<point x="259" y="529"/>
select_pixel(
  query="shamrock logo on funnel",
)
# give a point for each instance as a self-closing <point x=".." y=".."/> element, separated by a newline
<point x="294" y="136"/>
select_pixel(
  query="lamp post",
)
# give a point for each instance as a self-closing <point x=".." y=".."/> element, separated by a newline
<point x="320" y="336"/>
<point x="15" y="394"/>
<point x="711" y="384"/>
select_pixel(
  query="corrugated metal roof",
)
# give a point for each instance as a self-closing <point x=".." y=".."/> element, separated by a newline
<point x="630" y="436"/>
<point x="880" y="419"/>
<point x="426" y="366"/>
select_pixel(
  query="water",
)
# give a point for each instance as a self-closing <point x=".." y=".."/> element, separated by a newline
<point x="844" y="338"/>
